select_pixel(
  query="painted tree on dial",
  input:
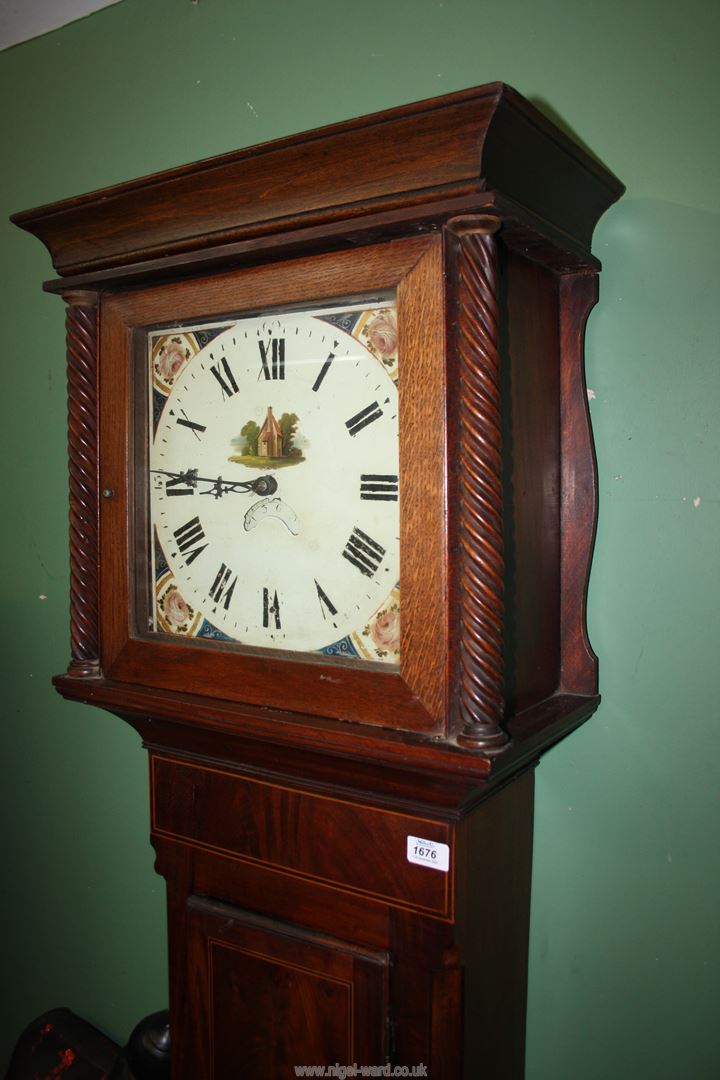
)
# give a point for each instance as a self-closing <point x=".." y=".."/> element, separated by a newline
<point x="272" y="439"/>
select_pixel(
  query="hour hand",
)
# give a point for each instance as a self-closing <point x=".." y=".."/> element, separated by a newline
<point x="177" y="483"/>
<point x="184" y="482"/>
<point x="263" y="485"/>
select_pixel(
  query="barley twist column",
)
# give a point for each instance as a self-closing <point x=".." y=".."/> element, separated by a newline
<point x="481" y="685"/>
<point x="81" y="331"/>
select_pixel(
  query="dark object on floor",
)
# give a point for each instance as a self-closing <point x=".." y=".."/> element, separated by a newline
<point x="148" y="1048"/>
<point x="61" y="1044"/>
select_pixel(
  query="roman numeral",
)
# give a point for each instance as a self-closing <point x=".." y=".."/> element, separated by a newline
<point x="325" y="601"/>
<point x="228" y="387"/>
<point x="364" y="552"/>
<point x="363" y="418"/>
<point x="379" y="486"/>
<point x="273" y="362"/>
<point x="189" y="478"/>
<point x="187" y="536"/>
<point x="271" y="608"/>
<point x="185" y="422"/>
<point x="221" y="590"/>
<point x="324" y="369"/>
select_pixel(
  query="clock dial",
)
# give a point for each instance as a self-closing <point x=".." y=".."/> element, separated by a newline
<point x="274" y="481"/>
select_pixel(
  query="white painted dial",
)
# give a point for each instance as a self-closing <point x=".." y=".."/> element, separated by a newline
<point x="274" y="481"/>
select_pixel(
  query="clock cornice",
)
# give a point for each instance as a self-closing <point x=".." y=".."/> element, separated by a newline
<point x="481" y="148"/>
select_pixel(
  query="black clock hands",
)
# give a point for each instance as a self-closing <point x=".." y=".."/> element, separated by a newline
<point x="263" y="485"/>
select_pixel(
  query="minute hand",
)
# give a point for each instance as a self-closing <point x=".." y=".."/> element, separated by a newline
<point x="263" y="485"/>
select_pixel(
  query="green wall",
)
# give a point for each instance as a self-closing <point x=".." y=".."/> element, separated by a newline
<point x="624" y="979"/>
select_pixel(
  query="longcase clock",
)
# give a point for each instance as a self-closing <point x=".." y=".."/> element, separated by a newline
<point x="332" y="505"/>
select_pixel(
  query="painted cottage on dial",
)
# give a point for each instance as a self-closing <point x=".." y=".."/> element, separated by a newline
<point x="270" y="440"/>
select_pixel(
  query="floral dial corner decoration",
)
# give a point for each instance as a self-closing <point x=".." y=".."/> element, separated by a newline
<point x="274" y="487"/>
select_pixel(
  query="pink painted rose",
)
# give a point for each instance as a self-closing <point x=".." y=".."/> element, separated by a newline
<point x="385" y="630"/>
<point x="171" y="359"/>
<point x="176" y="610"/>
<point x="383" y="334"/>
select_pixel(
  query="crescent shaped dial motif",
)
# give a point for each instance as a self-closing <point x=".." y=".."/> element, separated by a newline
<point x="275" y="508"/>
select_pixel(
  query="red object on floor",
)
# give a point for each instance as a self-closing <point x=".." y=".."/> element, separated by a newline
<point x="61" y="1044"/>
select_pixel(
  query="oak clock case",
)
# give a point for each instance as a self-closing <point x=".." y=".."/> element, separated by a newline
<point x="332" y="508"/>
<point x="291" y="570"/>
